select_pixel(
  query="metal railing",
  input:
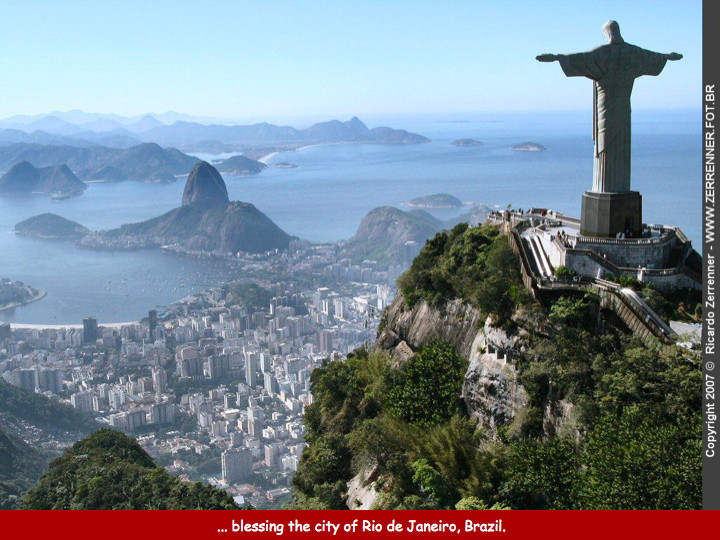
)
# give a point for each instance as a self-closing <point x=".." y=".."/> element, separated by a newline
<point x="663" y="239"/>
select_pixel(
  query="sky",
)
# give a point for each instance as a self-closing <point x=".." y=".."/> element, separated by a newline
<point x="252" y="60"/>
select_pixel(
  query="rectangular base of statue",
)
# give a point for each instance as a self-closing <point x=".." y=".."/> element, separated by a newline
<point x="604" y="215"/>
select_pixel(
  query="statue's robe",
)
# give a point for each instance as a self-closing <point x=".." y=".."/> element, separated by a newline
<point x="613" y="68"/>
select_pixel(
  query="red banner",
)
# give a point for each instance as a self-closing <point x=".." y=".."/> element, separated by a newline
<point x="234" y="525"/>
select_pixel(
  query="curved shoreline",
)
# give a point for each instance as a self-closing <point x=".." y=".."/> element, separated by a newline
<point x="36" y="326"/>
<point x="264" y="159"/>
<point x="17" y="326"/>
<point x="40" y="296"/>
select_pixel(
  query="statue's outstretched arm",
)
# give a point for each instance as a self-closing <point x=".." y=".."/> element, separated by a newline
<point x="548" y="57"/>
<point x="674" y="56"/>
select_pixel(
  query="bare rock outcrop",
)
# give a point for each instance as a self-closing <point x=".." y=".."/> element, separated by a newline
<point x="457" y="323"/>
<point x="361" y="493"/>
<point x="205" y="184"/>
<point x="491" y="390"/>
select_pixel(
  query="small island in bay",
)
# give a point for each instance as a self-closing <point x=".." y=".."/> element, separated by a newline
<point x="51" y="227"/>
<point x="528" y="147"/>
<point x="466" y="142"/>
<point x="438" y="200"/>
<point x="16" y="293"/>
<point x="241" y="166"/>
<point x="285" y="165"/>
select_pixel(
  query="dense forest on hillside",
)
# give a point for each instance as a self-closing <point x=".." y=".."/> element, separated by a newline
<point x="110" y="471"/>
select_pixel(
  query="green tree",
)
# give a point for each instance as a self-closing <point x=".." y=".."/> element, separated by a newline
<point x="638" y="459"/>
<point x="110" y="471"/>
<point x="426" y="390"/>
<point x="432" y="484"/>
<point x="543" y="475"/>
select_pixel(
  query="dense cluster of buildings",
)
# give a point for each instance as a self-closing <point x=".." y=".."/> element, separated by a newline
<point x="212" y="389"/>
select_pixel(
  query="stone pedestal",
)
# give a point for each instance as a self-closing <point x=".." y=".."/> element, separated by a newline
<point x="606" y="214"/>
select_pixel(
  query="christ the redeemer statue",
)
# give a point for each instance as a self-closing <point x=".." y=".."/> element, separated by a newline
<point x="613" y="68"/>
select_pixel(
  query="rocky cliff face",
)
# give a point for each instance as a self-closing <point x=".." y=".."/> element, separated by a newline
<point x="457" y="323"/>
<point x="491" y="390"/>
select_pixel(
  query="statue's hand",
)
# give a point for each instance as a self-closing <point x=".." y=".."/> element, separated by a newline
<point x="547" y="57"/>
<point x="674" y="56"/>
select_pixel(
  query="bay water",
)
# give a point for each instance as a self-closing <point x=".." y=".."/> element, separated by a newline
<point x="333" y="186"/>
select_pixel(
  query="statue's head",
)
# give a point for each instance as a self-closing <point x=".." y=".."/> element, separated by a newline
<point x="611" y="29"/>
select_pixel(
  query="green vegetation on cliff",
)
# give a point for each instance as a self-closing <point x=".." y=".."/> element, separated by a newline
<point x="110" y="471"/>
<point x="608" y="422"/>
<point x="251" y="295"/>
<point x="425" y="391"/>
<point x="472" y="263"/>
<point x="366" y="414"/>
<point x="633" y="439"/>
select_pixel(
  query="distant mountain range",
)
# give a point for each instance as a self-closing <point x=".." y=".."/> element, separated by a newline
<point x="182" y="134"/>
<point x="146" y="162"/>
<point x="111" y="121"/>
<point x="85" y="130"/>
<point x="109" y="148"/>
